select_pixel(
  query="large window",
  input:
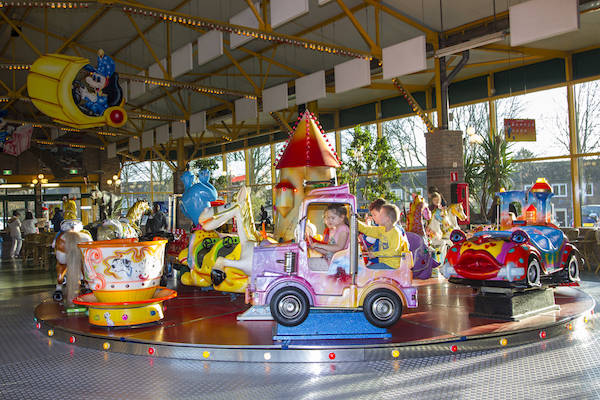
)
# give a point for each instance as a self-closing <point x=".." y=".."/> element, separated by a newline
<point x="148" y="180"/>
<point x="406" y="137"/>
<point x="260" y="179"/>
<point x="589" y="173"/>
<point x="549" y="110"/>
<point x="558" y="174"/>
<point x="587" y="106"/>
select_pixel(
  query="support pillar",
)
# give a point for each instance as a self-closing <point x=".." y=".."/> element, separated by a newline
<point x="444" y="150"/>
<point x="573" y="144"/>
<point x="178" y="187"/>
<point x="38" y="200"/>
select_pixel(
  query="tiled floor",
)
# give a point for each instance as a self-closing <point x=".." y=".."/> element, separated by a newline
<point x="33" y="366"/>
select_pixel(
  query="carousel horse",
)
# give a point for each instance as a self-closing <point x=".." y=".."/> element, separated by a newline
<point x="68" y="256"/>
<point x="417" y="215"/>
<point x="105" y="200"/>
<point x="423" y="256"/>
<point x="230" y="273"/>
<point x="124" y="228"/>
<point x="443" y="221"/>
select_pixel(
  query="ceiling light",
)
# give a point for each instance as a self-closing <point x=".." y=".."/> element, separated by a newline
<point x="11" y="186"/>
<point x="471" y="44"/>
<point x="50" y="185"/>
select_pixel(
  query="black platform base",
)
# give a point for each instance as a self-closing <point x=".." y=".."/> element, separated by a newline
<point x="511" y="305"/>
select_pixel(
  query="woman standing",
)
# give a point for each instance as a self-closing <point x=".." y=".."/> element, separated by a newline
<point x="14" y="227"/>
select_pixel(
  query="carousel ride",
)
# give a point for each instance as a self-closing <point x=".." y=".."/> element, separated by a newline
<point x="356" y="313"/>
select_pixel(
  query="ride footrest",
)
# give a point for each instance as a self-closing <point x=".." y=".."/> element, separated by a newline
<point x="330" y="324"/>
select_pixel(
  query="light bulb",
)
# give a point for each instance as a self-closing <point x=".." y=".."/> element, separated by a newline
<point x="109" y="182"/>
<point x="41" y="176"/>
<point x="118" y="182"/>
<point x="115" y="177"/>
<point x="34" y="181"/>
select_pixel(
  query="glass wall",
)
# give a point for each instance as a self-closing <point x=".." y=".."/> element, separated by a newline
<point x="148" y="180"/>
<point x="406" y="137"/>
<point x="558" y="174"/>
<point x="589" y="183"/>
<point x="549" y="109"/>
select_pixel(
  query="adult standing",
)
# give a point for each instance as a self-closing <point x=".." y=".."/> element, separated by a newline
<point x="57" y="219"/>
<point x="14" y="228"/>
<point x="158" y="222"/>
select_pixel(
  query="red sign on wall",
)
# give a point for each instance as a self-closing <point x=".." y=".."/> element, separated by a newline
<point x="519" y="130"/>
<point x="454" y="176"/>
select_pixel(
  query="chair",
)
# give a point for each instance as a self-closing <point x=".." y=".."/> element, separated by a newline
<point x="31" y="247"/>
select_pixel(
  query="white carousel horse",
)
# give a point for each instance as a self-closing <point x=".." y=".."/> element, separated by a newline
<point x="126" y="227"/>
<point x="68" y="256"/>
<point x="443" y="221"/>
<point x="213" y="217"/>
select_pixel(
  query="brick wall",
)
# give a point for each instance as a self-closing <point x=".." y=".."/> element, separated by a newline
<point x="444" y="155"/>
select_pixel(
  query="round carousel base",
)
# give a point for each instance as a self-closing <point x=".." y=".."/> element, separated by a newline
<point x="125" y="314"/>
<point x="203" y="325"/>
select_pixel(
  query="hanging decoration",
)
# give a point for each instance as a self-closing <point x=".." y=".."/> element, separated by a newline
<point x="74" y="93"/>
<point x="414" y="105"/>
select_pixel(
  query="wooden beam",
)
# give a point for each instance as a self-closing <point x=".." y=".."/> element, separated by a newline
<point x="261" y="22"/>
<point x="23" y="36"/>
<point x="376" y="50"/>
<point x="148" y="29"/>
<point x="85" y="26"/>
<point x="407" y="20"/>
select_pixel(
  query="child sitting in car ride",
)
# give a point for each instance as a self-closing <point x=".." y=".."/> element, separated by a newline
<point x="337" y="232"/>
<point x="392" y="238"/>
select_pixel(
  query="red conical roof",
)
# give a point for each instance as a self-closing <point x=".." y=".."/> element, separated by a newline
<point x="307" y="146"/>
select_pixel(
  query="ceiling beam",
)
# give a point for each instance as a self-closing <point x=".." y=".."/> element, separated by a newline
<point x="375" y="49"/>
<point x="261" y="22"/>
<point x="23" y="36"/>
<point x="91" y="21"/>
<point x="79" y="45"/>
<point x="430" y="33"/>
<point x="148" y="29"/>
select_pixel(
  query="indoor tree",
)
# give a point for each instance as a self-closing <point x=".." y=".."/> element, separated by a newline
<point x="374" y="159"/>
<point x="488" y="167"/>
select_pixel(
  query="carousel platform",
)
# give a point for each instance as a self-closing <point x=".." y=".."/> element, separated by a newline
<point x="202" y="325"/>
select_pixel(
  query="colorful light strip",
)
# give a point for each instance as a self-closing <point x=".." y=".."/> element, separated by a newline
<point x="45" y="4"/>
<point x="269" y="37"/>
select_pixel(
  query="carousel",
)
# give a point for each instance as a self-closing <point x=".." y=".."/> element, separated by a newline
<point x="297" y="294"/>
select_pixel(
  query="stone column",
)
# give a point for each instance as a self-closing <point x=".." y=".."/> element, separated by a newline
<point x="444" y="156"/>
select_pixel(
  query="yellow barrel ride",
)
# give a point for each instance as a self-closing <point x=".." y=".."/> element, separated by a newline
<point x="56" y="88"/>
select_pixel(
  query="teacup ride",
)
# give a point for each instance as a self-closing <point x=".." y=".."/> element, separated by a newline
<point x="124" y="275"/>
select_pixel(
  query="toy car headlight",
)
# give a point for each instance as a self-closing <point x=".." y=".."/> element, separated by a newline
<point x="457" y="236"/>
<point x="519" y="236"/>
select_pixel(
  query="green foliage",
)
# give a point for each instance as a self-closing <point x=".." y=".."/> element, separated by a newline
<point x="209" y="163"/>
<point x="366" y="156"/>
<point x="488" y="167"/>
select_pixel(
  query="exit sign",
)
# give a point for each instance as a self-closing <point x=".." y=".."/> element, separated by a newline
<point x="73" y="171"/>
<point x="7" y="172"/>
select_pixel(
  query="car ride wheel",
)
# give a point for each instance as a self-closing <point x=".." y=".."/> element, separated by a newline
<point x="289" y="306"/>
<point x="382" y="308"/>
<point x="532" y="275"/>
<point x="573" y="268"/>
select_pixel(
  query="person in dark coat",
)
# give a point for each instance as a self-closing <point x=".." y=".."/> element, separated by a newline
<point x="57" y="219"/>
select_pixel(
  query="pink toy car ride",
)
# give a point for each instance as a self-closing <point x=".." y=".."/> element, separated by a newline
<point x="292" y="278"/>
